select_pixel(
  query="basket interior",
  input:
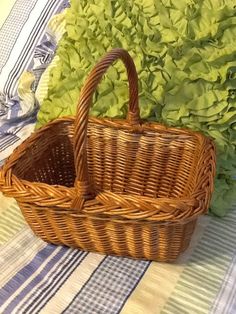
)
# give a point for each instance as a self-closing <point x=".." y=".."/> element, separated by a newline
<point x="155" y="164"/>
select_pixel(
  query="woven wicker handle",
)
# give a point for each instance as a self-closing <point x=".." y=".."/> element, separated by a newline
<point x="83" y="188"/>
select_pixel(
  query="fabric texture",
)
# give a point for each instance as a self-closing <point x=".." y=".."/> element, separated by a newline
<point x="24" y="47"/>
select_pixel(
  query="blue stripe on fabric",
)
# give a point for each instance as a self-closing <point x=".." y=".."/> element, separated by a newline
<point x="133" y="288"/>
<point x="31" y="41"/>
<point x="62" y="257"/>
<point x="6" y="141"/>
<point x="49" y="10"/>
<point x="7" y="39"/>
<point x="49" y="291"/>
<point x="18" y="279"/>
<point x="15" y="108"/>
<point x="52" y="8"/>
<point x="73" y="300"/>
<point x="10" y="126"/>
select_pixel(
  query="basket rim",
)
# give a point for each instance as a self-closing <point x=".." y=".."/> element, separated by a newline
<point x="119" y="123"/>
<point x="120" y="219"/>
<point x="10" y="184"/>
<point x="114" y="123"/>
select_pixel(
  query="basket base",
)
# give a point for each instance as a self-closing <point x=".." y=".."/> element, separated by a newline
<point x="139" y="240"/>
<point x="160" y="259"/>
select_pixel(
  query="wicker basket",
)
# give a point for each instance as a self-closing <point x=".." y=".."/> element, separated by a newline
<point x="120" y="187"/>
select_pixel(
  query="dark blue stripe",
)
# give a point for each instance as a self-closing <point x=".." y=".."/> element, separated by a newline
<point x="38" y="29"/>
<point x="50" y="290"/>
<point x="19" y="28"/>
<point x="16" y="281"/>
<point x="36" y="280"/>
<point x="84" y="285"/>
<point x="8" y="141"/>
<point x="34" y="35"/>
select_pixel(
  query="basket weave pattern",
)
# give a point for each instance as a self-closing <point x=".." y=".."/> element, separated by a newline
<point x="123" y="187"/>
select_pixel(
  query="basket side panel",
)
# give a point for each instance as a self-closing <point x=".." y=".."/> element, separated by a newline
<point x="158" y="242"/>
<point x="150" y="164"/>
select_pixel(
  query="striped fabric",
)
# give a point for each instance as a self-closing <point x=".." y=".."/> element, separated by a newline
<point x="110" y="285"/>
<point x="37" y="277"/>
<point x="22" y="30"/>
<point x="226" y="300"/>
<point x="14" y="22"/>
<point x="24" y="46"/>
<point x="202" y="278"/>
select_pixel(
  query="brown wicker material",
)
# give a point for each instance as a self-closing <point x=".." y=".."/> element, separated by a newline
<point x="123" y="187"/>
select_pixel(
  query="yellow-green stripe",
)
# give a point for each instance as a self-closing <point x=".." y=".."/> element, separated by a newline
<point x="202" y="276"/>
<point x="11" y="221"/>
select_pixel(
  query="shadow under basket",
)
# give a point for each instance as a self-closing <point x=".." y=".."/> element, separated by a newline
<point x="121" y="187"/>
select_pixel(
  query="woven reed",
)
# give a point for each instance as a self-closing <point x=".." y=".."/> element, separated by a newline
<point x="123" y="187"/>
